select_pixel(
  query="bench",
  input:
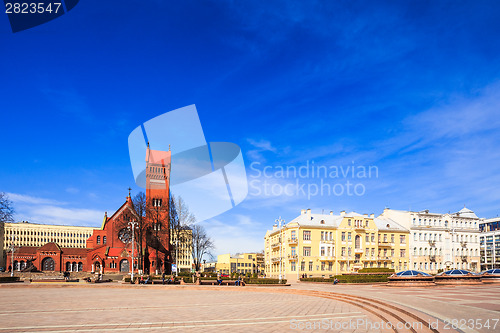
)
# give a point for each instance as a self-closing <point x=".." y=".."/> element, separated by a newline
<point x="224" y="282"/>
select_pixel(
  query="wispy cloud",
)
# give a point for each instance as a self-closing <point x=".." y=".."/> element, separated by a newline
<point x="42" y="210"/>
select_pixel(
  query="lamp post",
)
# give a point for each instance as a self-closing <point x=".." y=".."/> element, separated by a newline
<point x="279" y="221"/>
<point x="177" y="255"/>
<point x="12" y="254"/>
<point x="452" y="232"/>
<point x="132" y="225"/>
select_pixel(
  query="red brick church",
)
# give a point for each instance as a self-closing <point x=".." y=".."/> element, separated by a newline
<point x="109" y="249"/>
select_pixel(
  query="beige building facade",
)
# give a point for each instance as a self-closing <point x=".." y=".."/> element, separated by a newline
<point x="183" y="247"/>
<point x="324" y="245"/>
<point x="440" y="241"/>
<point x="36" y="235"/>
<point x="243" y="263"/>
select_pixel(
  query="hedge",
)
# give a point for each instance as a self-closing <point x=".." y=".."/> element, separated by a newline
<point x="264" y="281"/>
<point x="376" y="270"/>
<point x="6" y="279"/>
<point x="350" y="278"/>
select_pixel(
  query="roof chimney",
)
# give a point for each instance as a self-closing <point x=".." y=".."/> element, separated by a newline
<point x="342" y="213"/>
<point x="309" y="214"/>
<point x="365" y="215"/>
<point x="372" y="215"/>
<point x="331" y="212"/>
<point x="302" y="211"/>
<point x="275" y="226"/>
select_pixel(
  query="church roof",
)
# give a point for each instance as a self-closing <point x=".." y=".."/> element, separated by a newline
<point x="465" y="212"/>
<point x="50" y="247"/>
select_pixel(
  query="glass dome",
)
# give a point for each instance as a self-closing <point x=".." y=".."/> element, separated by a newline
<point x="457" y="272"/>
<point x="495" y="271"/>
<point x="411" y="273"/>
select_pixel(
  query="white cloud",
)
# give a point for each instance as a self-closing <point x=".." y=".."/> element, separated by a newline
<point x="42" y="210"/>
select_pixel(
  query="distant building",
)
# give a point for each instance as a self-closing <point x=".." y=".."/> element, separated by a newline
<point x="244" y="263"/>
<point x="35" y="235"/>
<point x="440" y="241"/>
<point x="490" y="243"/>
<point x="184" y="249"/>
<point x="324" y="245"/>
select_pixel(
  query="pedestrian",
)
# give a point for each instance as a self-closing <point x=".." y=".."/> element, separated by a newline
<point x="163" y="278"/>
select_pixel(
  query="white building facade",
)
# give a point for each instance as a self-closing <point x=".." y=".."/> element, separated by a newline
<point x="490" y="243"/>
<point x="440" y="241"/>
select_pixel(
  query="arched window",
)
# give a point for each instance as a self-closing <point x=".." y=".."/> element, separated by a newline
<point x="357" y="242"/>
<point x="124" y="266"/>
<point x="80" y="267"/>
<point x="74" y="267"/>
<point x="68" y="266"/>
<point x="104" y="239"/>
<point x="98" y="239"/>
<point x="48" y="264"/>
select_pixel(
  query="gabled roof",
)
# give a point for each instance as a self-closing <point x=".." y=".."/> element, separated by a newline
<point x="384" y="223"/>
<point x="50" y="247"/>
<point x="465" y="212"/>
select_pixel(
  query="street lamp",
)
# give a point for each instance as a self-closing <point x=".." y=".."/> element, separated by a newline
<point x="132" y="226"/>
<point x="177" y="255"/>
<point x="12" y="254"/>
<point x="280" y="221"/>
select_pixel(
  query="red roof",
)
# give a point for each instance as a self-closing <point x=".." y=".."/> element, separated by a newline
<point x="50" y="247"/>
<point x="117" y="252"/>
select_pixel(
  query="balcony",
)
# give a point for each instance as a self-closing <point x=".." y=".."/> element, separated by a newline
<point x="292" y="240"/>
<point x="357" y="265"/>
<point x="292" y="257"/>
<point x="432" y="258"/>
<point x="328" y="241"/>
<point x="384" y="244"/>
<point x="463" y="244"/>
<point x="326" y="258"/>
<point x="432" y="243"/>
<point x="360" y="250"/>
<point x="275" y="245"/>
<point x="359" y="228"/>
<point x="275" y="259"/>
<point x="384" y="258"/>
<point x="464" y="258"/>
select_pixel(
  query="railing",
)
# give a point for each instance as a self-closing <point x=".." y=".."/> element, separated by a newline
<point x="464" y="258"/>
<point x="275" y="259"/>
<point x="384" y="243"/>
<point x="463" y="244"/>
<point x="292" y="257"/>
<point x="292" y="240"/>
<point x="274" y="245"/>
<point x="384" y="258"/>
<point x="432" y="258"/>
<point x="329" y="241"/>
<point x="327" y="258"/>
<point x="432" y="243"/>
<point x="358" y="250"/>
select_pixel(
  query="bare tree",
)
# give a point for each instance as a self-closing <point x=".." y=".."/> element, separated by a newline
<point x="180" y="219"/>
<point x="201" y="245"/>
<point x="6" y="209"/>
<point x="140" y="204"/>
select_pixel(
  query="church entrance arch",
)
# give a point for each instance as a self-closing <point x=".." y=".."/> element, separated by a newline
<point x="124" y="266"/>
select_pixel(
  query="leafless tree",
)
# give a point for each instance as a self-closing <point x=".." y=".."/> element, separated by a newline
<point x="180" y="219"/>
<point x="6" y="209"/>
<point x="140" y="204"/>
<point x="201" y="245"/>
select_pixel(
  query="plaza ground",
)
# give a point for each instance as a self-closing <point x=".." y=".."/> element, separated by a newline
<point x="302" y="307"/>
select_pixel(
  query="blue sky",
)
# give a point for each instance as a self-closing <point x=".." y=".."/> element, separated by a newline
<point x="412" y="88"/>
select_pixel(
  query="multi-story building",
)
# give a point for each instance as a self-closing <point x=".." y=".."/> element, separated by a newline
<point x="183" y="248"/>
<point x="322" y="245"/>
<point x="244" y="263"/>
<point x="440" y="241"/>
<point x="490" y="243"/>
<point x="36" y="235"/>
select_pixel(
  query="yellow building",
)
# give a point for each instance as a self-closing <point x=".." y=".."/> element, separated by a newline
<point x="184" y="249"/>
<point x="241" y="263"/>
<point x="323" y="245"/>
<point x="37" y="235"/>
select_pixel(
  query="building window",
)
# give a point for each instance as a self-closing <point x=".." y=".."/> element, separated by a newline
<point x="343" y="236"/>
<point x="343" y="252"/>
<point x="322" y="235"/>
<point x="307" y="235"/>
<point x="322" y="251"/>
<point x="307" y="251"/>
<point x="98" y="239"/>
<point x="349" y="222"/>
<point x="293" y="251"/>
<point x="292" y="266"/>
<point x="373" y="238"/>
<point x="402" y="239"/>
<point x="348" y="236"/>
<point x="310" y="266"/>
<point x="104" y="239"/>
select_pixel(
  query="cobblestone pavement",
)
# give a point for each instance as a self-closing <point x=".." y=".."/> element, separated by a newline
<point x="299" y="308"/>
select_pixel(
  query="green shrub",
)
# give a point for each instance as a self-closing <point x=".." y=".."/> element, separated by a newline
<point x="7" y="279"/>
<point x="376" y="270"/>
<point x="264" y="281"/>
<point x="354" y="278"/>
